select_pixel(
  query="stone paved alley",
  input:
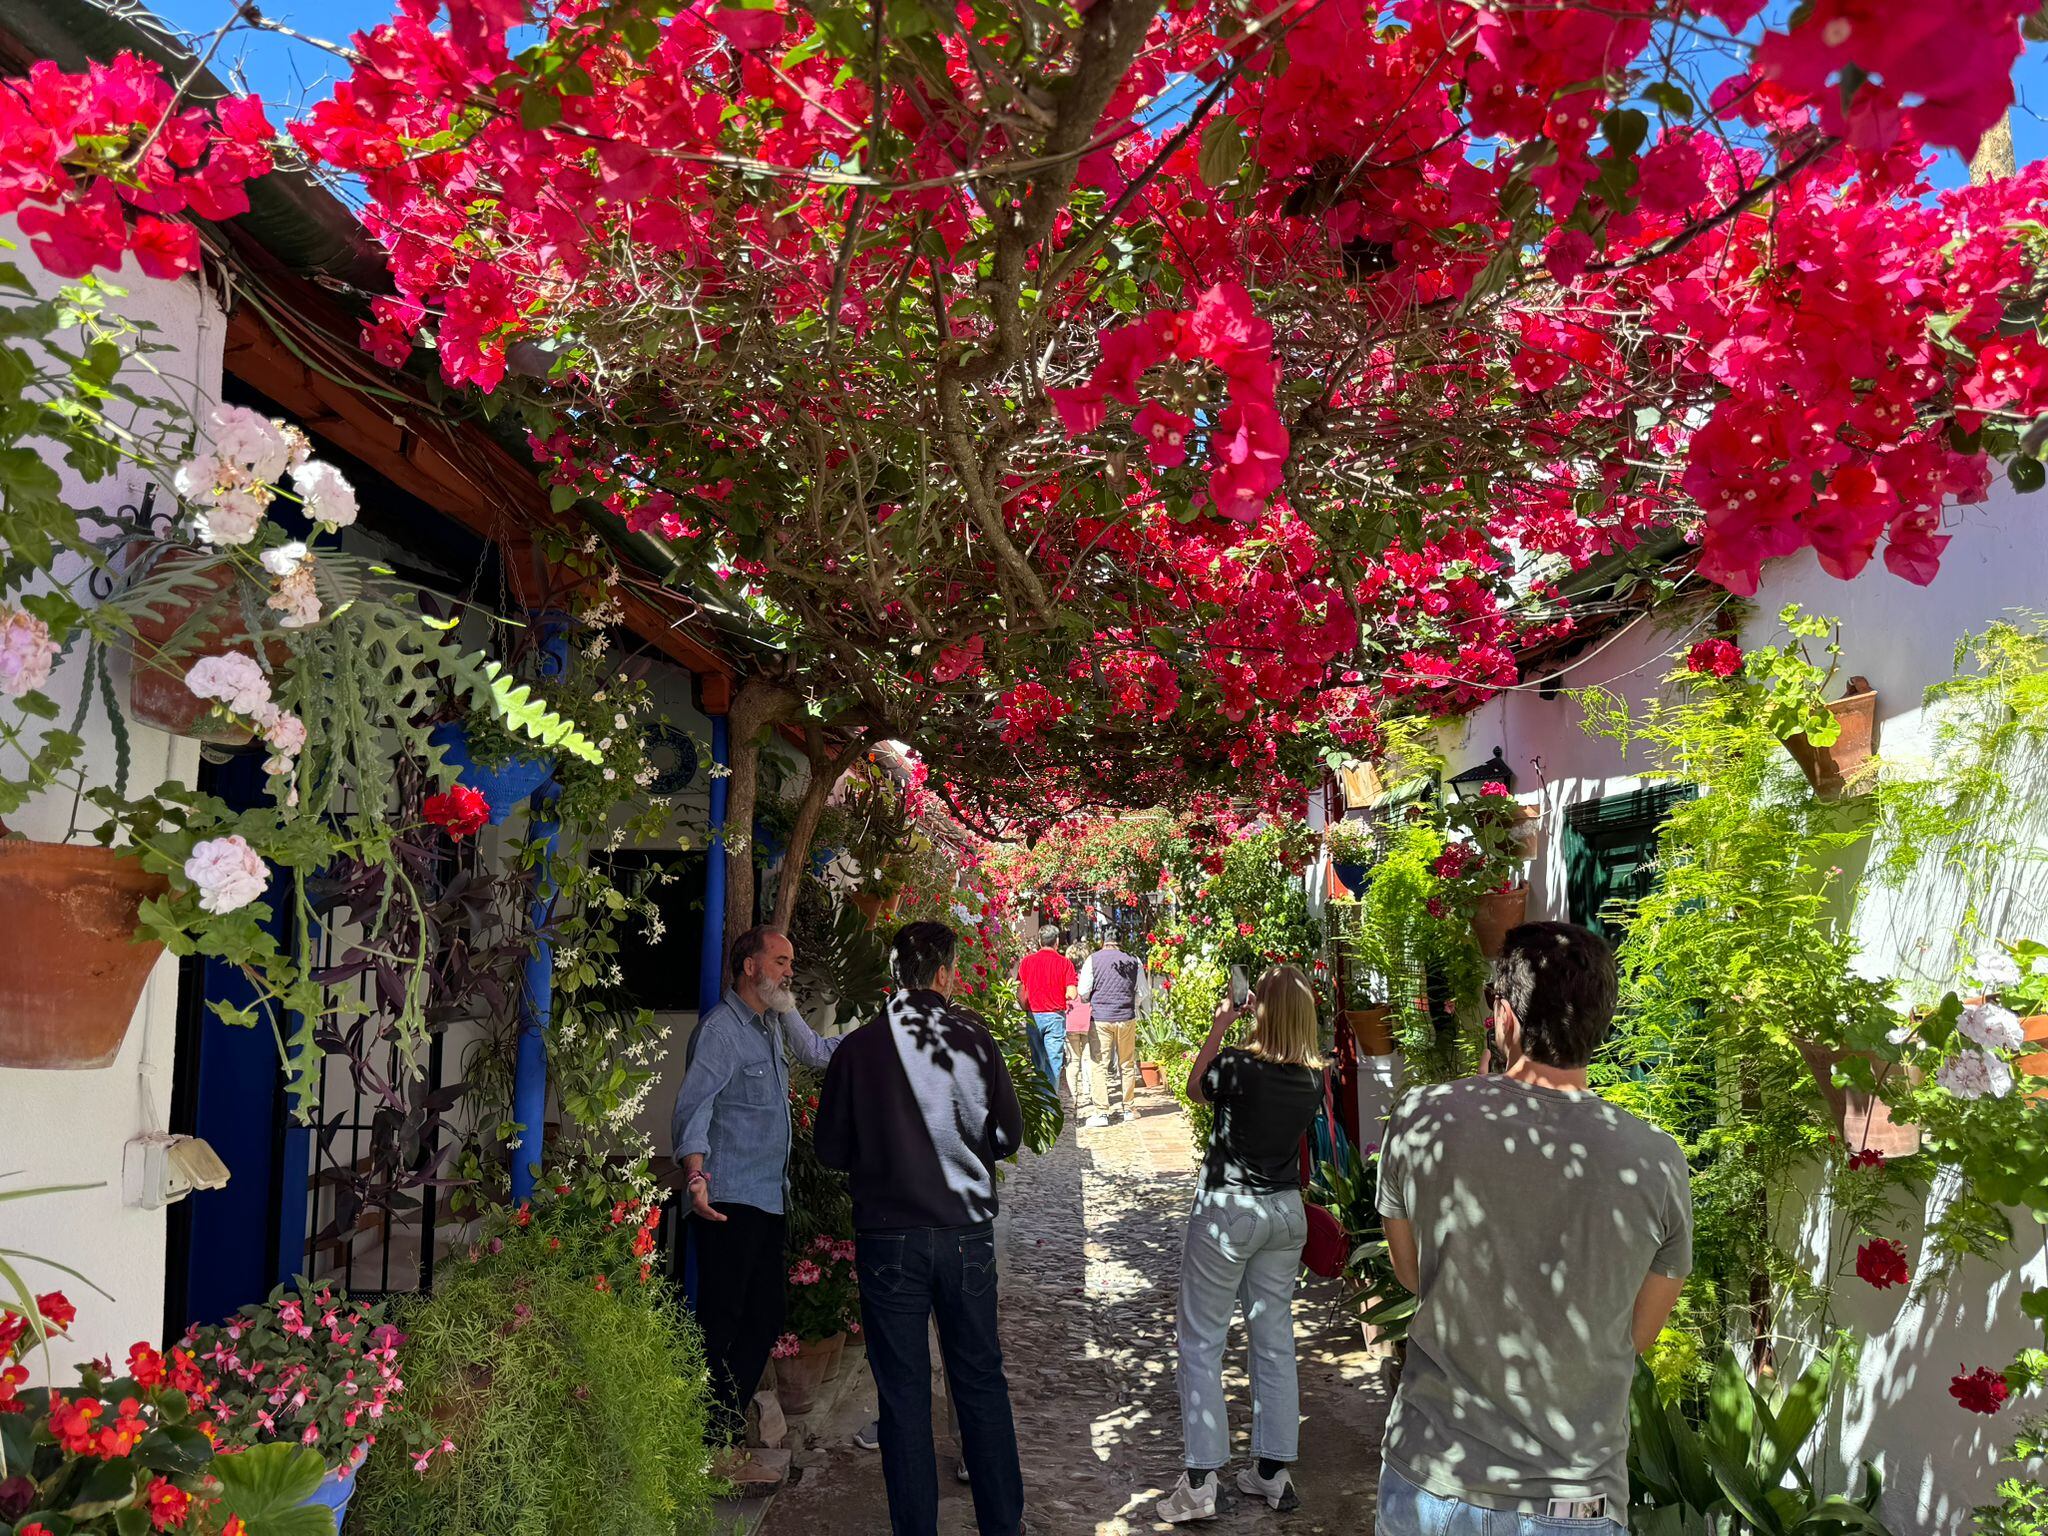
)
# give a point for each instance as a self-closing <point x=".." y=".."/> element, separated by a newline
<point x="1089" y="1278"/>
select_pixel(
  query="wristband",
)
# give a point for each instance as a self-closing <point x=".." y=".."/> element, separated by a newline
<point x="695" y="1179"/>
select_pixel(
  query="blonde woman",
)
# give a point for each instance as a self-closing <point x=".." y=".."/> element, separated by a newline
<point x="1244" y="1242"/>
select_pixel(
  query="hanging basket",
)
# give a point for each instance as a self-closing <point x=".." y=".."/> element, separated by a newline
<point x="505" y="786"/>
<point x="1830" y="769"/>
<point x="71" y="970"/>
<point x="157" y="694"/>
<point x="1495" y="914"/>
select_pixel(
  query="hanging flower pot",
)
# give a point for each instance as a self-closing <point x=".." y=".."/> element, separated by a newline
<point x="1527" y="833"/>
<point x="71" y="970"/>
<point x="1828" y="769"/>
<point x="1353" y="875"/>
<point x="504" y="786"/>
<point x="869" y="907"/>
<point x="1373" y="1029"/>
<point x="1494" y="914"/>
<point x="2035" y="1062"/>
<point x="1864" y="1120"/>
<point x="157" y="694"/>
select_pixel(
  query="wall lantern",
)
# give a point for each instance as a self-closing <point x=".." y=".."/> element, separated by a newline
<point x="1494" y="770"/>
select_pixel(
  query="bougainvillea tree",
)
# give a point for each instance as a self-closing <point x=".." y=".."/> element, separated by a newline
<point x="1116" y="396"/>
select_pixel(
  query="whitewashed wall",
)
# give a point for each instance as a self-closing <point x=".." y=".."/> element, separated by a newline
<point x="1939" y="1461"/>
<point x="70" y="1127"/>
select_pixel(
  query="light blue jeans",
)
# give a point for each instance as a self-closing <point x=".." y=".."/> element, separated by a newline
<point x="1241" y="1249"/>
<point x="1406" y="1510"/>
<point x="1047" y="1038"/>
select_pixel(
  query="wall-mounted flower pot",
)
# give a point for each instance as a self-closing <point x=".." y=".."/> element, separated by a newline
<point x="1864" y="1120"/>
<point x="1373" y="1029"/>
<point x="1528" y="831"/>
<point x="70" y="969"/>
<point x="2035" y="1063"/>
<point x="157" y="694"/>
<point x="869" y="907"/>
<point x="505" y="786"/>
<point x="1353" y="875"/>
<point x="1829" y="769"/>
<point x="1495" y="914"/>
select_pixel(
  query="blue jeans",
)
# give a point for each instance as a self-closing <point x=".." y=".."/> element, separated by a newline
<point x="1406" y="1510"/>
<point x="1048" y="1037"/>
<point x="907" y="1278"/>
<point x="1240" y="1249"/>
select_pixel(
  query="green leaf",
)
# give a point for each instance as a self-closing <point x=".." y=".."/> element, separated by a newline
<point x="1796" y="1417"/>
<point x="540" y="108"/>
<point x="131" y="1522"/>
<point x="268" y="1485"/>
<point x="1223" y="152"/>
<point x="1624" y="129"/>
<point x="1672" y="98"/>
<point x="2035" y="1305"/>
<point x="2027" y="474"/>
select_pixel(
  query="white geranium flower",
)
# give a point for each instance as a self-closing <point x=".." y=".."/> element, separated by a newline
<point x="1992" y="1027"/>
<point x="284" y="733"/>
<point x="234" y="679"/>
<point x="296" y="598"/>
<point x="329" y="498"/>
<point x="1975" y="1075"/>
<point x="228" y="873"/>
<point x="199" y="478"/>
<point x="231" y="518"/>
<point x="250" y="441"/>
<point x="26" y="652"/>
<point x="1998" y="970"/>
<point x="285" y="558"/>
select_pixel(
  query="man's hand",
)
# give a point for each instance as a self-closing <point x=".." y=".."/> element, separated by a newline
<point x="699" y="1188"/>
<point x="1653" y="1309"/>
<point x="1402" y="1254"/>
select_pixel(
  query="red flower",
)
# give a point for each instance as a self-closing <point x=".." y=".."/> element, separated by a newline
<point x="71" y="1422"/>
<point x="524" y="1215"/>
<point x="603" y="1284"/>
<point x="1981" y="1391"/>
<point x="13" y="1328"/>
<point x="459" y="811"/>
<point x="57" y="1312"/>
<point x="1245" y="930"/>
<point x="1882" y="1264"/>
<point x="145" y="1365"/>
<point x="164" y="249"/>
<point x="168" y="1505"/>
<point x="1723" y="658"/>
<point x="12" y="1379"/>
<point x="1865" y="1159"/>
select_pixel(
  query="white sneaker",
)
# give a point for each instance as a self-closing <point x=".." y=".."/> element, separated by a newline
<point x="1187" y="1502"/>
<point x="1096" y="1122"/>
<point x="1278" y="1493"/>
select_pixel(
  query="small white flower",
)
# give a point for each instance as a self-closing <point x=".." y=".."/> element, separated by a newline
<point x="1993" y="1027"/>
<point x="285" y="733"/>
<point x="198" y="479"/>
<point x="232" y="518"/>
<point x="297" y="598"/>
<point x="234" y="679"/>
<point x="285" y="558"/>
<point x="1900" y="1035"/>
<point x="26" y="652"/>
<point x="251" y="441"/>
<point x="329" y="498"/>
<point x="228" y="872"/>
<point x="1975" y="1075"/>
<point x="1998" y="970"/>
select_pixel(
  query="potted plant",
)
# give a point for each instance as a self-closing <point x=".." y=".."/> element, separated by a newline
<point x="824" y="1305"/>
<point x="1835" y="758"/>
<point x="1481" y="869"/>
<point x="1352" y="848"/>
<point x="307" y="1367"/>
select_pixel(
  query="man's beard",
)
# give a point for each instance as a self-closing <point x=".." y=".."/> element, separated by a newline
<point x="778" y="997"/>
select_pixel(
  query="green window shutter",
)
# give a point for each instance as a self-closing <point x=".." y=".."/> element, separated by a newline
<point x="1610" y="850"/>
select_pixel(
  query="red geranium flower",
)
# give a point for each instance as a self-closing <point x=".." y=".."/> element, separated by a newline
<point x="1882" y="1264"/>
<point x="459" y="811"/>
<point x="1723" y="658"/>
<point x="1867" y="1158"/>
<point x="1981" y="1391"/>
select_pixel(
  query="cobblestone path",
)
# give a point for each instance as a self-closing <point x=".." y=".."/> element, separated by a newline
<point x="1089" y="1278"/>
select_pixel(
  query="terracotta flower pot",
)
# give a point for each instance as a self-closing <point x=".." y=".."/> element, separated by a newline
<point x="1373" y="1029"/>
<point x="1829" y="769"/>
<point x="2035" y="1063"/>
<point x="869" y="907"/>
<point x="157" y="694"/>
<point x="1150" y="1075"/>
<point x="1496" y="913"/>
<point x="1528" y="831"/>
<point x="799" y="1377"/>
<point x="1864" y="1120"/>
<point x="71" y="969"/>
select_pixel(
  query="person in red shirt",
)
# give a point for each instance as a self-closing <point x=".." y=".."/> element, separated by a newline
<point x="1045" y="984"/>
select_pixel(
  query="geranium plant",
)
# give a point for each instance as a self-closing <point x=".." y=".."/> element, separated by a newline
<point x="310" y="1366"/>
<point x="823" y="1297"/>
<point x="1350" y="841"/>
<point x="1485" y="853"/>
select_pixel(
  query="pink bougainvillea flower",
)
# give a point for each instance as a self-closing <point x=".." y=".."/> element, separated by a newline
<point x="749" y="31"/>
<point x="1164" y="434"/>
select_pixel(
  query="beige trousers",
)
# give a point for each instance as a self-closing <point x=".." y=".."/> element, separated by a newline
<point x="1112" y="1051"/>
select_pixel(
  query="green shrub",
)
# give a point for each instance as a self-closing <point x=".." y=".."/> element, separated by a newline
<point x="571" y="1389"/>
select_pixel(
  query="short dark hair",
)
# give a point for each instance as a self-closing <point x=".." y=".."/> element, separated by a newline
<point x="1048" y="935"/>
<point x="1559" y="978"/>
<point x="922" y="950"/>
<point x="748" y="945"/>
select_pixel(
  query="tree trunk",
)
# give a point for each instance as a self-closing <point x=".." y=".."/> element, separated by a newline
<point x="1995" y="159"/>
<point x="826" y="766"/>
<point x="760" y="703"/>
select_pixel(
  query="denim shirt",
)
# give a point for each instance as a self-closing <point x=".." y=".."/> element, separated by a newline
<point x="733" y="1107"/>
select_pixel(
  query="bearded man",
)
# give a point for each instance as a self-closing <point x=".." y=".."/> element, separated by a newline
<point x="731" y="1136"/>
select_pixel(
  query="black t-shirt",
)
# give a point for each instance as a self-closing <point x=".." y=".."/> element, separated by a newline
<point x="1263" y="1108"/>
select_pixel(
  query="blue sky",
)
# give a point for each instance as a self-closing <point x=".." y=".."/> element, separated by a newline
<point x="290" y="74"/>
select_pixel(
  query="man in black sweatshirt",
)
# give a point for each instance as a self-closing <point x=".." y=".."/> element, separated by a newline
<point x="918" y="1108"/>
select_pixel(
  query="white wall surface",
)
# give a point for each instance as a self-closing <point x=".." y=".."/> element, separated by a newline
<point x="1938" y="1460"/>
<point x="70" y="1127"/>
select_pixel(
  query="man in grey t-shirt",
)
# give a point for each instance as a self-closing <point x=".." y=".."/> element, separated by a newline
<point x="1546" y="1234"/>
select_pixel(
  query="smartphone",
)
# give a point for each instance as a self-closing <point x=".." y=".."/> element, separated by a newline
<point x="1240" y="987"/>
